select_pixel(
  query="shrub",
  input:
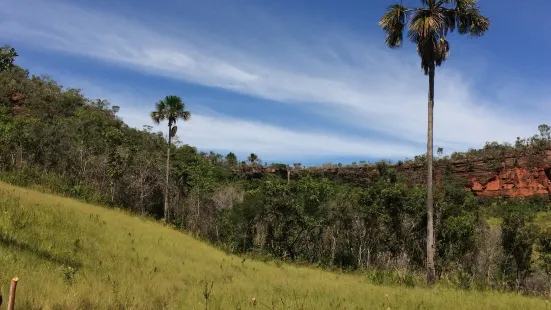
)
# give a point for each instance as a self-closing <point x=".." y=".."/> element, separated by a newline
<point x="518" y="236"/>
<point x="544" y="250"/>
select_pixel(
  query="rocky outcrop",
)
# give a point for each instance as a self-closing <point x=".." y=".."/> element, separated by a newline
<point x="514" y="182"/>
<point x="16" y="98"/>
<point x="518" y="174"/>
<point x="517" y="177"/>
<point x="513" y="175"/>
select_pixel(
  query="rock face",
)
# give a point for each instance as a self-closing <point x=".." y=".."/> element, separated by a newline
<point x="514" y="175"/>
<point x="517" y="175"/>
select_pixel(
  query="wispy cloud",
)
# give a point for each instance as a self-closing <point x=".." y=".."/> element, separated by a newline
<point x="209" y="130"/>
<point x="222" y="133"/>
<point x="333" y="72"/>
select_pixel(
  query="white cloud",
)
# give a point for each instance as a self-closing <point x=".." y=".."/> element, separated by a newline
<point x="334" y="74"/>
<point x="222" y="133"/>
<point x="208" y="130"/>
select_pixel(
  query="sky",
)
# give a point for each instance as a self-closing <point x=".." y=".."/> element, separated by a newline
<point x="292" y="81"/>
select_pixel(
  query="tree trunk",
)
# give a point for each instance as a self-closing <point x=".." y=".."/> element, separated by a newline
<point x="288" y="175"/>
<point x="167" y="172"/>
<point x="431" y="273"/>
<point x="141" y="195"/>
<point x="333" y="247"/>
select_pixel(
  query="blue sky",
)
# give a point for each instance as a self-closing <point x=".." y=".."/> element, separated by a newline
<point x="293" y="81"/>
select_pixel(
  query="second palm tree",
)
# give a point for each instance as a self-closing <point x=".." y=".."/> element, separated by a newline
<point x="171" y="108"/>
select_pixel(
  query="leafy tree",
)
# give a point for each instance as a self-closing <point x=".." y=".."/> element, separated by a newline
<point x="215" y="158"/>
<point x="544" y="249"/>
<point x="7" y="57"/>
<point x="171" y="108"/>
<point x="253" y="158"/>
<point x="457" y="237"/>
<point x="428" y="27"/>
<point x="518" y="235"/>
<point x="231" y="159"/>
<point x="545" y="132"/>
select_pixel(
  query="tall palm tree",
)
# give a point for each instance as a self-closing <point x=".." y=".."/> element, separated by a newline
<point x="427" y="27"/>
<point x="171" y="108"/>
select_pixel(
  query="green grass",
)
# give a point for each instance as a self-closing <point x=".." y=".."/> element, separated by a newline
<point x="71" y="255"/>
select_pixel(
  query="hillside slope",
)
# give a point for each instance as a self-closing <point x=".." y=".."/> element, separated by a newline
<point x="71" y="255"/>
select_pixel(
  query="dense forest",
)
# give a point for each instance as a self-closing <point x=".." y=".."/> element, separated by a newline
<point x="55" y="139"/>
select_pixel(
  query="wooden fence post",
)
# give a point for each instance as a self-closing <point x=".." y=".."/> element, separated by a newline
<point x="11" y="300"/>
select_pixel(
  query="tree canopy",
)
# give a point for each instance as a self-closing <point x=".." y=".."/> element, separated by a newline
<point x="427" y="26"/>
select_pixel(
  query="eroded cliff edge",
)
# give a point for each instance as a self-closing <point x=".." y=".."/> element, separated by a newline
<point x="511" y="174"/>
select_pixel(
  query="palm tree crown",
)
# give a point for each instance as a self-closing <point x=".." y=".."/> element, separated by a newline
<point x="428" y="26"/>
<point x="171" y="108"/>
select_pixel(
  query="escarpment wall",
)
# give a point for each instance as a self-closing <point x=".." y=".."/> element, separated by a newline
<point x="517" y="174"/>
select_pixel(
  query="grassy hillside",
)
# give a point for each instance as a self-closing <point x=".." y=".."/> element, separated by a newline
<point x="71" y="255"/>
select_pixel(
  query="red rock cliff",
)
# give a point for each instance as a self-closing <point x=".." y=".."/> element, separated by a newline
<point x="515" y="175"/>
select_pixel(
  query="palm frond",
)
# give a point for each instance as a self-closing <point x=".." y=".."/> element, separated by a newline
<point x="442" y="51"/>
<point x="427" y="30"/>
<point x="173" y="102"/>
<point x="185" y="115"/>
<point x="471" y="22"/>
<point x="450" y="19"/>
<point x="456" y="2"/>
<point x="160" y="106"/>
<point x="425" y="25"/>
<point x="465" y="3"/>
<point x="159" y="114"/>
<point x="156" y="117"/>
<point x="426" y="2"/>
<point x="393" y="23"/>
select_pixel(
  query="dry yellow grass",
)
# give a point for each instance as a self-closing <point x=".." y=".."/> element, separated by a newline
<point x="72" y="255"/>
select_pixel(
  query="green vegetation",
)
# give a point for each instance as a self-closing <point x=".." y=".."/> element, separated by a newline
<point x="57" y="141"/>
<point x="72" y="255"/>
<point x="427" y="28"/>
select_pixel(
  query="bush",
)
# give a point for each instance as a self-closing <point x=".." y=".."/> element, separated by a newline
<point x="518" y="236"/>
<point x="537" y="283"/>
<point x="544" y="250"/>
<point x="393" y="277"/>
<point x="457" y="239"/>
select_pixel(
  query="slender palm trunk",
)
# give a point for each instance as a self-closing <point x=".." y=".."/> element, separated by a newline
<point x="288" y="175"/>
<point x="431" y="273"/>
<point x="167" y="172"/>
